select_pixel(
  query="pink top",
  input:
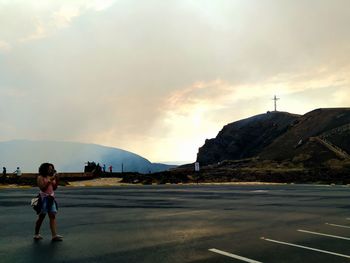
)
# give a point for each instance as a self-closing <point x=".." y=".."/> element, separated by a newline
<point x="49" y="190"/>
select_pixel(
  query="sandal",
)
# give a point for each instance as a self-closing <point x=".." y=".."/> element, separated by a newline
<point x="37" y="237"/>
<point x="57" y="238"/>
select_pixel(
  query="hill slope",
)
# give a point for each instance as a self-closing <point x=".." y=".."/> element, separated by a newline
<point x="309" y="138"/>
<point x="245" y="138"/>
<point x="312" y="139"/>
<point x="71" y="157"/>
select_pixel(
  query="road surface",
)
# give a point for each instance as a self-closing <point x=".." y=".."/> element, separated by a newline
<point x="182" y="223"/>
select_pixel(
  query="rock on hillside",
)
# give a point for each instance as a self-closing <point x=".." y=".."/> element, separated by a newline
<point x="245" y="138"/>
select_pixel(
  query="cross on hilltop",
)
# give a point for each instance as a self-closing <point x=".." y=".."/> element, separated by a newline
<point x="275" y="99"/>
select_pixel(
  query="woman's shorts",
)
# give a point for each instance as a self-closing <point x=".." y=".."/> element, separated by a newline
<point x="49" y="205"/>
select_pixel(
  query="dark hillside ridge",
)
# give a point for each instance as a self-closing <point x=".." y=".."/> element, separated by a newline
<point x="246" y="138"/>
<point x="318" y="137"/>
<point x="309" y="138"/>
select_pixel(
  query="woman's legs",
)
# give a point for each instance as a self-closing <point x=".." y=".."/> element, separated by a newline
<point x="55" y="237"/>
<point x="53" y="227"/>
<point x="38" y="223"/>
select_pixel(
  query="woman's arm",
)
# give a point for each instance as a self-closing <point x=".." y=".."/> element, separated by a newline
<point x="42" y="184"/>
<point x="55" y="182"/>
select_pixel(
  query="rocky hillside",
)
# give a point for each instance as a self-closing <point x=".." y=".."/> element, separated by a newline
<point x="245" y="138"/>
<point x="317" y="137"/>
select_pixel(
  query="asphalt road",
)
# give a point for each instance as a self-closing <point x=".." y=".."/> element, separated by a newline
<point x="178" y="223"/>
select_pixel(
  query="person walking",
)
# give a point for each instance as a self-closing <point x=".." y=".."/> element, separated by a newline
<point x="4" y="172"/>
<point x="47" y="183"/>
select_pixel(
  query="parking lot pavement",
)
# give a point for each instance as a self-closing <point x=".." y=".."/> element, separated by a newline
<point x="329" y="252"/>
<point x="183" y="223"/>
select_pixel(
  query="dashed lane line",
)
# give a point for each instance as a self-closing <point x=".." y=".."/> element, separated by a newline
<point x="233" y="255"/>
<point x="322" y="234"/>
<point x="337" y="225"/>
<point x="304" y="247"/>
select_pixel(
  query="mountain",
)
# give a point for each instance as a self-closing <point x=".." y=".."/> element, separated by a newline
<point x="318" y="137"/>
<point x="245" y="138"/>
<point x="71" y="157"/>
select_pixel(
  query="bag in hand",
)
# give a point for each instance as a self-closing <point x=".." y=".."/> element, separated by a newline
<point x="36" y="204"/>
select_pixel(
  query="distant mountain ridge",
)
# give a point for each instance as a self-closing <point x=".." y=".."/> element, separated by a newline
<point x="71" y="157"/>
<point x="313" y="138"/>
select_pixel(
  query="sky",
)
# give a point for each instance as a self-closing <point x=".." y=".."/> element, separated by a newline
<point x="159" y="77"/>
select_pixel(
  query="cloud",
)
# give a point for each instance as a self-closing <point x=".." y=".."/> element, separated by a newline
<point x="99" y="5"/>
<point x="5" y="47"/>
<point x="41" y="19"/>
<point x="219" y="94"/>
<point x="158" y="77"/>
<point x="64" y="16"/>
<point x="206" y="94"/>
<point x="40" y="32"/>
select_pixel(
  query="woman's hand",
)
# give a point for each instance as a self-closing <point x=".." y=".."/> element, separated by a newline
<point x="53" y="181"/>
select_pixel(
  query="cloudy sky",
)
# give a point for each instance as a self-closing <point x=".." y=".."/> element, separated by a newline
<point x="158" y="77"/>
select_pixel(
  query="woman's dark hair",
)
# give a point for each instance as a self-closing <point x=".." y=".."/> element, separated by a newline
<point x="44" y="169"/>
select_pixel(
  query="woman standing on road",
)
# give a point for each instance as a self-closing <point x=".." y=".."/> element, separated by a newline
<point x="47" y="182"/>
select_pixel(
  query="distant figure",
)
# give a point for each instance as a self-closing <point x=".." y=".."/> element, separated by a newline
<point x="18" y="172"/>
<point x="110" y="169"/>
<point x="4" y="171"/>
<point x="47" y="182"/>
<point x="196" y="167"/>
<point x="91" y="167"/>
<point x="98" y="169"/>
<point x="104" y="168"/>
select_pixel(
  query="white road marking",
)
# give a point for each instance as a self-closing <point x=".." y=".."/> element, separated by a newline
<point x="309" y="248"/>
<point x="233" y="255"/>
<point x="322" y="234"/>
<point x="337" y="225"/>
